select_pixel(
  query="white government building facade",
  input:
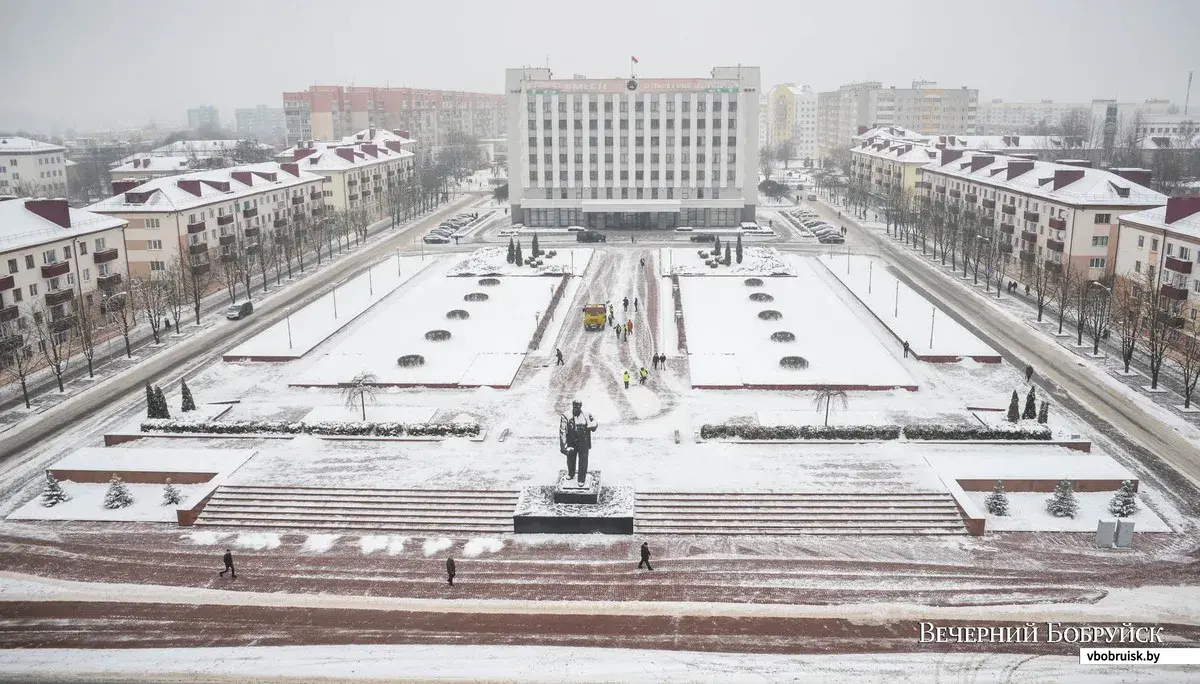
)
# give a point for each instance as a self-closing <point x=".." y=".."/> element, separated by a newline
<point x="633" y="153"/>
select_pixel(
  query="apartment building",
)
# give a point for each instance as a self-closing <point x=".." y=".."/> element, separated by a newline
<point x="651" y="153"/>
<point x="188" y="218"/>
<point x="433" y="116"/>
<point x="358" y="175"/>
<point x="380" y="137"/>
<point x="205" y="116"/>
<point x="1163" y="243"/>
<point x="262" y="123"/>
<point x="54" y="259"/>
<point x="32" y="168"/>
<point x="764" y="124"/>
<point x="998" y="116"/>
<point x="1042" y="212"/>
<point x="1111" y="119"/>
<point x="889" y="168"/>
<point x="924" y="108"/>
<point x="792" y="118"/>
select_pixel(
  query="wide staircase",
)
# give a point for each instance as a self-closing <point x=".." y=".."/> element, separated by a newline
<point x="772" y="513"/>
<point x="430" y="511"/>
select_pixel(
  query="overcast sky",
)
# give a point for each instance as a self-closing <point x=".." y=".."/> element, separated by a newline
<point x="90" y="63"/>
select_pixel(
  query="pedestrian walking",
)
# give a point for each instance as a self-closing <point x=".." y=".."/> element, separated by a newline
<point x="906" y="349"/>
<point x="642" y="262"/>
<point x="1028" y="373"/>
<point x="654" y="361"/>
<point x="843" y="231"/>
<point x="450" y="571"/>
<point x="228" y="559"/>
<point x="611" y="315"/>
<point x="635" y="304"/>
<point x="645" y="558"/>
<point x="167" y="324"/>
<point x="628" y="326"/>
<point x="625" y="302"/>
<point x="642" y="375"/>
<point x="663" y="361"/>
<point x="558" y="353"/>
<point x="625" y="377"/>
<point x="617" y="330"/>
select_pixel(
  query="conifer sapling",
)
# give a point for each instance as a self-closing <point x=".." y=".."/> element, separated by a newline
<point x="53" y="494"/>
<point x="534" y="248"/>
<point x="512" y="251"/>
<point x="997" y="501"/>
<point x="171" y="494"/>
<point x="1063" y="504"/>
<point x="1030" y="405"/>
<point x="160" y="400"/>
<point x="1044" y="412"/>
<point x="150" y="402"/>
<point x="1124" y="503"/>
<point x="739" y="249"/>
<point x="189" y="404"/>
<point x="1014" y="408"/>
<point x="118" y="495"/>
<point x="728" y="256"/>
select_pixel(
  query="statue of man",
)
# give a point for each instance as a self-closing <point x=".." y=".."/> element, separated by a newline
<point x="575" y="439"/>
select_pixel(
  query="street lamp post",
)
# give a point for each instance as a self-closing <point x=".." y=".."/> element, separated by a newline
<point x="870" y="273"/>
<point x="932" y="318"/>
<point x="397" y="262"/>
<point x="335" y="301"/>
<point x="370" y="281"/>
<point x="896" y="313"/>
<point x="287" y="312"/>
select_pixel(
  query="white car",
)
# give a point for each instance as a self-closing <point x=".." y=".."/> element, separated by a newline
<point x="683" y="229"/>
<point x="509" y="232"/>
<point x="575" y="229"/>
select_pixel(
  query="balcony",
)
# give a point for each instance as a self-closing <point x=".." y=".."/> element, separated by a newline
<point x="254" y="248"/>
<point x="941" y="189"/>
<point x="250" y="213"/>
<point x="201" y="269"/>
<point x="1054" y="245"/>
<point x="56" y="297"/>
<point x="1058" y="224"/>
<point x="351" y="183"/>
<point x="62" y="323"/>
<point x="198" y="248"/>
<point x="228" y="257"/>
<point x="227" y="239"/>
<point x="109" y="281"/>
<point x="318" y="210"/>
<point x="12" y="342"/>
<point x="352" y="198"/>
<point x="971" y="198"/>
<point x="955" y="194"/>
<point x="225" y="220"/>
<point x="105" y="255"/>
<point x="197" y="227"/>
<point x="314" y="196"/>
<point x="1008" y="209"/>
<point x="1172" y="320"/>
<point x="886" y="172"/>
<point x="1007" y="228"/>
<point x="280" y="222"/>
<point x="1053" y="267"/>
<point x="924" y="185"/>
<point x="1026" y="257"/>
<point x="298" y="199"/>
<point x="55" y="270"/>
<point x="989" y="203"/>
<point x="252" y="231"/>
<point x="1178" y="265"/>
<point x="1029" y="236"/>
<point x="1032" y="216"/>
<point x="1172" y="292"/>
<point x="6" y="283"/>
<point x="9" y="313"/>
<point x="1005" y="248"/>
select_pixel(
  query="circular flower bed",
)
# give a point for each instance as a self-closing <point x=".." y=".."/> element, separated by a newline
<point x="712" y="264"/>
<point x="457" y="313"/>
<point x="437" y="335"/>
<point x="795" y="362"/>
<point x="488" y="282"/>
<point x="770" y="315"/>
<point x="475" y="297"/>
<point x="753" y="282"/>
<point x="761" y="297"/>
<point x="778" y="336"/>
<point x="411" y="361"/>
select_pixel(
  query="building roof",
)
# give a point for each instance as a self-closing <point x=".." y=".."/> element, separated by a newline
<point x="897" y="151"/>
<point x="344" y="157"/>
<point x="199" y="147"/>
<point x="1061" y="183"/>
<point x="148" y="164"/>
<point x="202" y="188"/>
<point x="377" y="136"/>
<point x="1182" y="223"/>
<point x="27" y="146"/>
<point x="21" y="227"/>
<point x="893" y="133"/>
<point x="1169" y="142"/>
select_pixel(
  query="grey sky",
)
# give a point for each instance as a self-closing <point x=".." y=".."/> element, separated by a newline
<point x="98" y="63"/>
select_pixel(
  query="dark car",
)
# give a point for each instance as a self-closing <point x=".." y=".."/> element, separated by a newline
<point x="435" y="239"/>
<point x="701" y="237"/>
<point x="590" y="236"/>
<point x="239" y="310"/>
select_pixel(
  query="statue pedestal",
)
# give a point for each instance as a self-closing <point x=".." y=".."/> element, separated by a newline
<point x="539" y="512"/>
<point x="568" y="490"/>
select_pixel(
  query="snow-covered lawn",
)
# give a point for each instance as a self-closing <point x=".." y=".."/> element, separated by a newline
<point x="305" y="328"/>
<point x="87" y="503"/>
<point x="375" y="414"/>
<point x="1027" y="513"/>
<point x="999" y="462"/>
<point x="494" y="261"/>
<point x="486" y="348"/>
<point x="135" y="459"/>
<point x="909" y="315"/>
<point x="729" y="344"/>
<point x="756" y="261"/>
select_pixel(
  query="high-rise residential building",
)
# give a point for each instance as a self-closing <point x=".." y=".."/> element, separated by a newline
<point x="792" y="118"/>
<point x="433" y="117"/>
<point x="842" y="114"/>
<point x="764" y="123"/>
<point x="633" y="153"/>
<point x="924" y="108"/>
<point x="262" y="123"/>
<point x="204" y="117"/>
<point x="998" y="116"/>
<point x="32" y="168"/>
<point x="1112" y="120"/>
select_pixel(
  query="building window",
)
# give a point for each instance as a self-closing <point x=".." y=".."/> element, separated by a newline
<point x="1103" y="218"/>
<point x="1185" y="254"/>
<point x="33" y="289"/>
<point x="18" y="296"/>
<point x="87" y="276"/>
<point x="1101" y="240"/>
<point x="154" y="244"/>
<point x="12" y="266"/>
<point x="1097" y="262"/>
<point x="100" y="244"/>
<point x="1137" y="267"/>
<point x="1141" y="241"/>
<point x="28" y="261"/>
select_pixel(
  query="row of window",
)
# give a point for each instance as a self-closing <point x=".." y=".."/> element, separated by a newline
<point x="50" y="256"/>
<point x="638" y="158"/>
<point x="57" y="159"/>
<point x="684" y="175"/>
<point x="639" y="141"/>
<point x="55" y="284"/>
<point x="638" y="124"/>
<point x="639" y="105"/>
<point x="639" y="193"/>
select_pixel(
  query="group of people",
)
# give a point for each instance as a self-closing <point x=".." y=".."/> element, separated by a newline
<point x="451" y="570"/>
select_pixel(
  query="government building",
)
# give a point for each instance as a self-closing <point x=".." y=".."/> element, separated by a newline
<point x="633" y="153"/>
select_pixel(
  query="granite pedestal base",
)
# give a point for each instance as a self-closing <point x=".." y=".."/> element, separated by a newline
<point x="568" y="489"/>
<point x="538" y="513"/>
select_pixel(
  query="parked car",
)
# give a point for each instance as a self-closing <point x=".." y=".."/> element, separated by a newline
<point x="239" y="310"/>
<point x="749" y="225"/>
<point x="509" y="232"/>
<point x="831" y="239"/>
<point x="812" y="198"/>
<point x="683" y="229"/>
<point x="435" y="239"/>
<point x="589" y="236"/>
<point x="701" y="237"/>
<point x="576" y="229"/>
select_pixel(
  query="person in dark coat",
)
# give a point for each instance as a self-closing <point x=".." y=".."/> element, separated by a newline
<point x="450" y="571"/>
<point x="635" y="304"/>
<point x="906" y="349"/>
<point x="558" y="353"/>
<point x="625" y="303"/>
<point x="228" y="558"/>
<point x="645" y="557"/>
<point x="1028" y="373"/>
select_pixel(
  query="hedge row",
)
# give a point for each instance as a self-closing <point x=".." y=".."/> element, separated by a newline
<point x="339" y="428"/>
<point x="1001" y="431"/>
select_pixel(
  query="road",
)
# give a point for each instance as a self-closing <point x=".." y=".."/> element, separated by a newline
<point x="1114" y="414"/>
<point x="206" y="346"/>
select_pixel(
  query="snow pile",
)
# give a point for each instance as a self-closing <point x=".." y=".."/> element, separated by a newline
<point x="614" y="502"/>
<point x="476" y="547"/>
<point x="257" y="540"/>
<point x="756" y="261"/>
<point x="320" y="543"/>
<point x="494" y="261"/>
<point x="435" y="546"/>
<point x="381" y="542"/>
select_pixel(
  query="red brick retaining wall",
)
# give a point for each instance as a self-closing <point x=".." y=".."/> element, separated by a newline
<point x="131" y="476"/>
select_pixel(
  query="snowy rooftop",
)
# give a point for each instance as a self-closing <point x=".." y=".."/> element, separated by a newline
<point x="199" y="147"/>
<point x="1169" y="142"/>
<point x="167" y="194"/>
<point x="349" y="157"/>
<point x="20" y="227"/>
<point x="1092" y="187"/>
<point x="147" y="163"/>
<point x="1156" y="218"/>
<point x="893" y="133"/>
<point x="25" y="145"/>
<point x="904" y="152"/>
<point x="379" y="136"/>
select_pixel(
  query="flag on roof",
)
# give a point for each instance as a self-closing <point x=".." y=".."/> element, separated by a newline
<point x="635" y="59"/>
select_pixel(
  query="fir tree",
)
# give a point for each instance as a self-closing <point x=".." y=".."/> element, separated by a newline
<point x="512" y="251"/>
<point x="1124" y="503"/>
<point x="517" y="258"/>
<point x="716" y="245"/>
<point x="1014" y="408"/>
<point x="1044" y="412"/>
<point x="118" y="495"/>
<point x="997" y="501"/>
<point x="1030" y="405"/>
<point x="728" y="257"/>
<point x="151" y="404"/>
<point x="189" y="404"/>
<point x="53" y="494"/>
<point x="1063" y="504"/>
<point x="160" y="402"/>
<point x="739" y="249"/>
<point x="171" y="494"/>
<point x="535" y="252"/>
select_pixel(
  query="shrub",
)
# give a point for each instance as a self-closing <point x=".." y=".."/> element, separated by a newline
<point x="331" y="427"/>
<point x="770" y="315"/>
<point x="437" y="335"/>
<point x="794" y="362"/>
<point x="475" y="297"/>
<point x="769" y="432"/>
<point x="784" y="336"/>
<point x="1063" y="503"/>
<point x="53" y="494"/>
<point x="997" y="501"/>
<point x="1124" y="503"/>
<point x="459" y="314"/>
<point x="761" y="297"/>
<point x="488" y="282"/>
<point x="171" y="494"/>
<point x="712" y="264"/>
<point x="117" y="495"/>
<point x="752" y="282"/>
<point x="1000" y="431"/>
<point x="410" y="361"/>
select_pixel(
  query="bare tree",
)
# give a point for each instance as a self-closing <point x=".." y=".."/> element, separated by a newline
<point x="86" y="323"/>
<point x="1160" y="333"/>
<point x="362" y="387"/>
<point x="828" y="397"/>
<point x="1081" y="300"/>
<point x="1128" y="316"/>
<point x="228" y="267"/>
<point x="1099" y="302"/>
<point x="1064" y="286"/>
<point x="150" y="296"/>
<point x="175" y="283"/>
<point x="1042" y="278"/>
<point x="52" y="329"/>
<point x="1187" y="357"/>
<point x="125" y="313"/>
<point x="15" y="354"/>
<point x="1003" y="262"/>
<point x="198" y="279"/>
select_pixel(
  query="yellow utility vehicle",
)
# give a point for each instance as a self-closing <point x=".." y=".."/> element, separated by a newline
<point x="594" y="316"/>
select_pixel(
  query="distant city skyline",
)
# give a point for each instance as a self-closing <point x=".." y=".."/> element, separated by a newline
<point x="93" y="79"/>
